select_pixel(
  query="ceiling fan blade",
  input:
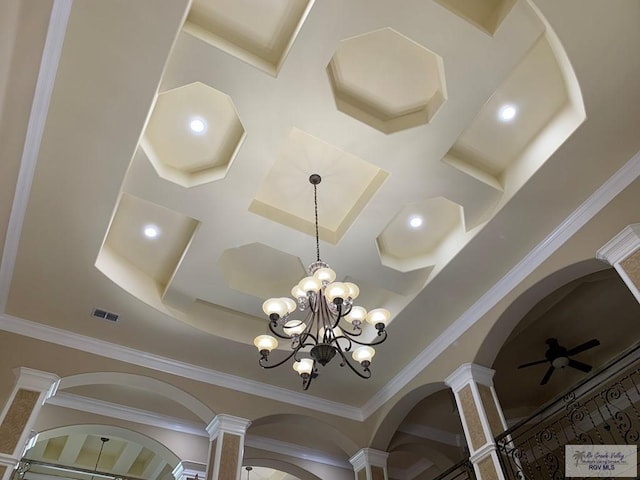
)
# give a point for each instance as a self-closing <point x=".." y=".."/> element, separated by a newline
<point x="580" y="366"/>
<point x="547" y="375"/>
<point x="531" y="364"/>
<point x="585" y="346"/>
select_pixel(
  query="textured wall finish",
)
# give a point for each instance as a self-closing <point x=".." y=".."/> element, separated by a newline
<point x="229" y="457"/>
<point x="472" y="418"/>
<point x="491" y="409"/>
<point x="362" y="474"/>
<point x="487" y="469"/>
<point x="2" y="470"/>
<point x="631" y="266"/>
<point x="16" y="419"/>
<point x="377" y="473"/>
<point x="212" y="459"/>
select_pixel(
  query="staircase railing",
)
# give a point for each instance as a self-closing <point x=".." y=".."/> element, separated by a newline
<point x="603" y="409"/>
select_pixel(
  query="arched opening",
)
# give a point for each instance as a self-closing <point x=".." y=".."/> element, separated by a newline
<point x="81" y="449"/>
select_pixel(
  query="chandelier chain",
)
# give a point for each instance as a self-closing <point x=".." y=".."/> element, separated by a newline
<point x="315" y="203"/>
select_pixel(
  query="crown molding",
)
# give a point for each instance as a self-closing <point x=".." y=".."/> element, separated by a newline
<point x="156" y="362"/>
<point x="293" y="450"/>
<point x="128" y="414"/>
<point x="467" y="373"/>
<point x="430" y="433"/>
<point x="37" y="380"/>
<point x="563" y="232"/>
<point x="369" y="456"/>
<point x="621" y="246"/>
<point x="223" y="423"/>
<point x="35" y="128"/>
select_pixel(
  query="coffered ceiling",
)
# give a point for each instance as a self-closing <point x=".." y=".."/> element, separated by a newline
<point x="204" y="120"/>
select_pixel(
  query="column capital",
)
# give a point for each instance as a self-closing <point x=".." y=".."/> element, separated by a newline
<point x="36" y="380"/>
<point x="229" y="424"/>
<point x="621" y="246"/>
<point x="369" y="456"/>
<point x="187" y="469"/>
<point x="467" y="373"/>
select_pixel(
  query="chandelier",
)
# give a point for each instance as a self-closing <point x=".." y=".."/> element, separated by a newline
<point x="332" y="324"/>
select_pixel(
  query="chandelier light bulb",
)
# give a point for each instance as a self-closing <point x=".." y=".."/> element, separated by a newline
<point x="297" y="292"/>
<point x="275" y="306"/>
<point x="303" y="366"/>
<point x="325" y="275"/>
<point x="363" y="354"/>
<point x="356" y="316"/>
<point x="290" y="304"/>
<point x="294" y="327"/>
<point x="353" y="290"/>
<point x="336" y="290"/>
<point x="265" y="342"/>
<point x="310" y="284"/>
<point x="378" y="316"/>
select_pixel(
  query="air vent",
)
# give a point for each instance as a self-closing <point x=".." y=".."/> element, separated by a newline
<point x="98" y="313"/>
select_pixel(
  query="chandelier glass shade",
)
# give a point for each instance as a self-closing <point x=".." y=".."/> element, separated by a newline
<point x="331" y="323"/>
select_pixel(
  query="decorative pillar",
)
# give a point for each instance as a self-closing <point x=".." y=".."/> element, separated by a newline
<point x="370" y="464"/>
<point x="31" y="389"/>
<point x="187" y="470"/>
<point x="481" y="416"/>
<point x="227" y="447"/>
<point x="622" y="252"/>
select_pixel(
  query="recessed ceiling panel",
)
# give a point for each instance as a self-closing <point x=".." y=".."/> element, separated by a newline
<point x="484" y="14"/>
<point x="286" y="196"/>
<point x="148" y="239"/>
<point x="259" y="270"/>
<point x="193" y="134"/>
<point x="387" y="80"/>
<point x="260" y="33"/>
<point x="414" y="236"/>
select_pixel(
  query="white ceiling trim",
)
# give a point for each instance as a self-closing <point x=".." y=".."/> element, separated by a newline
<point x="296" y="451"/>
<point x="35" y="128"/>
<point x="563" y="232"/>
<point x="156" y="362"/>
<point x="435" y="434"/>
<point x="128" y="414"/>
<point x="578" y="218"/>
<point x="152" y="419"/>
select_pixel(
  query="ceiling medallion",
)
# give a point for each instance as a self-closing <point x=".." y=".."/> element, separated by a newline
<point x="332" y="323"/>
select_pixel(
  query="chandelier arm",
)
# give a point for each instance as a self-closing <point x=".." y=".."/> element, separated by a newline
<point x="372" y="344"/>
<point x="365" y="375"/>
<point x="288" y="357"/>
<point x="351" y="335"/>
<point x="348" y="348"/>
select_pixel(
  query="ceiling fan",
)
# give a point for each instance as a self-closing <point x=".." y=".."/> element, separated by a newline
<point x="558" y="357"/>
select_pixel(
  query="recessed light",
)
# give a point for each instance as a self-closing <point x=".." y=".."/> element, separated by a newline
<point x="415" y="221"/>
<point x="151" y="231"/>
<point x="507" y="113"/>
<point x="198" y="125"/>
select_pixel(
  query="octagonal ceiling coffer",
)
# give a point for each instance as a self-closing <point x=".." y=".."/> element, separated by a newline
<point x="387" y="81"/>
<point x="418" y="235"/>
<point x="259" y="33"/>
<point x="193" y="135"/>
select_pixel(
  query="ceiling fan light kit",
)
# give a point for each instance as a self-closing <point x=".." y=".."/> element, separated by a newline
<point x="559" y="357"/>
<point x="332" y="324"/>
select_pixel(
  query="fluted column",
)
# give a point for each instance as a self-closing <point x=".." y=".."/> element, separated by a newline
<point x="227" y="447"/>
<point x="622" y="252"/>
<point x="31" y="389"/>
<point x="370" y="464"/>
<point x="481" y="415"/>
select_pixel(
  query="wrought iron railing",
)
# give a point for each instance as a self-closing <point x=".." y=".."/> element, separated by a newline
<point x="460" y="471"/>
<point x="602" y="409"/>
